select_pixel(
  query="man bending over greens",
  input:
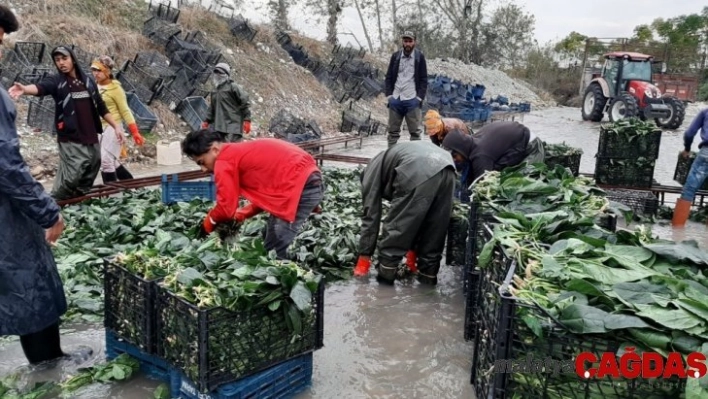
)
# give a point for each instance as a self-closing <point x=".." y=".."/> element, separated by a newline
<point x="273" y="175"/>
<point x="494" y="147"/>
<point x="418" y="179"/>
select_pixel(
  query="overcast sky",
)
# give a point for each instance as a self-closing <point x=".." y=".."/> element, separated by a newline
<point x="554" y="18"/>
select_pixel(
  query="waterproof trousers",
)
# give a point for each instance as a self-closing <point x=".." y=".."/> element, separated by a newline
<point x="418" y="220"/>
<point x="79" y="165"/>
<point x="42" y="345"/>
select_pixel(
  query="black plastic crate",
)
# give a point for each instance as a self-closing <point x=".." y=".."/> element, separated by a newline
<point x="215" y="346"/>
<point x="683" y="166"/>
<point x="179" y="88"/>
<point x="282" y="38"/>
<point x="457" y="231"/>
<point x="151" y="59"/>
<point x="624" y="172"/>
<point x="40" y="114"/>
<point x="571" y="162"/>
<point x="146" y="77"/>
<point x="176" y="44"/>
<point x="31" y="52"/>
<point x="159" y="30"/>
<point x="144" y="117"/>
<point x="129" y="306"/>
<point x="642" y="202"/>
<point x="239" y="27"/>
<point x="145" y="95"/>
<point x="193" y="111"/>
<point x="617" y="145"/>
<point x="165" y="11"/>
<point x="503" y="338"/>
<point x="83" y="57"/>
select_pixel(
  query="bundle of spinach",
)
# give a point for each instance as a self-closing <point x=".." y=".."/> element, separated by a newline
<point x="122" y="368"/>
<point x="560" y="150"/>
<point x="630" y="128"/>
<point x="531" y="189"/>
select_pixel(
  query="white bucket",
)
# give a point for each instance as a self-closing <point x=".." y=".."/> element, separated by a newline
<point x="169" y="153"/>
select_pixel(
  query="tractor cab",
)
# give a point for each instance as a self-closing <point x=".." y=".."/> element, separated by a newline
<point x="625" y="89"/>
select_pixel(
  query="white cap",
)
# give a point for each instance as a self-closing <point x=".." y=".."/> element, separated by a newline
<point x="223" y="68"/>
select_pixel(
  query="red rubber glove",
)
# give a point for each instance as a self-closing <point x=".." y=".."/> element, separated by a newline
<point x="137" y="137"/>
<point x="205" y="125"/>
<point x="246" y="212"/>
<point x="411" y="259"/>
<point x="363" y="265"/>
<point x="207" y="226"/>
<point x="247" y="126"/>
<point x="318" y="209"/>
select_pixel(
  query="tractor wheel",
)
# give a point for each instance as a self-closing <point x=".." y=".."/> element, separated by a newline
<point x="593" y="103"/>
<point x="678" y="112"/>
<point x="622" y="107"/>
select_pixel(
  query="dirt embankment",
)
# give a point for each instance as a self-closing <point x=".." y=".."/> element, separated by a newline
<point x="262" y="67"/>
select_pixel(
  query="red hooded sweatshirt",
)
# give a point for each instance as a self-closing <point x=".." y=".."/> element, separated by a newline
<point x="269" y="173"/>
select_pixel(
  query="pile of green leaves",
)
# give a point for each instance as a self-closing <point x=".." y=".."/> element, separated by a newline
<point x="531" y="189"/>
<point x="122" y="368"/>
<point x="629" y="128"/>
<point x="560" y="150"/>
<point x="625" y="287"/>
<point x="148" y="233"/>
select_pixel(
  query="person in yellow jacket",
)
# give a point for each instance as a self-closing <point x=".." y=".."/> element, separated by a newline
<point x="438" y="127"/>
<point x="114" y="96"/>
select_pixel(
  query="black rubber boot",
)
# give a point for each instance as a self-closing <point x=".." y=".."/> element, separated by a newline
<point x="123" y="174"/>
<point x="386" y="274"/>
<point x="427" y="280"/>
<point x="42" y="346"/>
<point x="108" y="177"/>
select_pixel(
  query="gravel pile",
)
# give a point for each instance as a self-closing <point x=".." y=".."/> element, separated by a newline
<point x="495" y="81"/>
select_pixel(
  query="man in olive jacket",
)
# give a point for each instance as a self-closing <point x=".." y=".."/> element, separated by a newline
<point x="418" y="179"/>
<point x="230" y="109"/>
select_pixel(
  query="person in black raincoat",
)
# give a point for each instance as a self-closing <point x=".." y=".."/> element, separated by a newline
<point x="78" y="108"/>
<point x="31" y="292"/>
<point x="418" y="179"/>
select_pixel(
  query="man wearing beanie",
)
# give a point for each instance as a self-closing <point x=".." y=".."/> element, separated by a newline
<point x="229" y="112"/>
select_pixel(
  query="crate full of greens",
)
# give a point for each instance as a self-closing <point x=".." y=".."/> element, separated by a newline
<point x="683" y="166"/>
<point x="564" y="155"/>
<point x="625" y="172"/>
<point x="567" y="288"/>
<point x="629" y="138"/>
<point x="129" y="285"/>
<point x="528" y="189"/>
<point x="457" y="231"/>
<point x="242" y="313"/>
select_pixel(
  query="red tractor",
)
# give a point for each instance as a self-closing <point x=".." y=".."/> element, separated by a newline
<point x="624" y="89"/>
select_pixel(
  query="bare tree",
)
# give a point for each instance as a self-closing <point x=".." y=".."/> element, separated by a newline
<point x="279" y="13"/>
<point x="332" y="10"/>
<point x="514" y="33"/>
<point x="363" y="26"/>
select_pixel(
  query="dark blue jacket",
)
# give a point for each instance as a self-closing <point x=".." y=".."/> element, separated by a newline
<point x="57" y="86"/>
<point x="31" y="292"/>
<point x="420" y="73"/>
<point x="699" y="122"/>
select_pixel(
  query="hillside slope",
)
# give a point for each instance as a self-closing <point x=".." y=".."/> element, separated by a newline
<point x="262" y="67"/>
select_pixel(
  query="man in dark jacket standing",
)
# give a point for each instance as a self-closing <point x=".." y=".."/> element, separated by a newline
<point x="406" y="85"/>
<point x="31" y="293"/>
<point x="494" y="147"/>
<point x="230" y="109"/>
<point x="418" y="179"/>
<point x="77" y="115"/>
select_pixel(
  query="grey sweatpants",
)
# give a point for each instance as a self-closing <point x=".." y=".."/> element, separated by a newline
<point x="418" y="220"/>
<point x="398" y="111"/>
<point x="79" y="165"/>
<point x="280" y="233"/>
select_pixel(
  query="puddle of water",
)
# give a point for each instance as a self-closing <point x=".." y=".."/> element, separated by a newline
<point x="380" y="342"/>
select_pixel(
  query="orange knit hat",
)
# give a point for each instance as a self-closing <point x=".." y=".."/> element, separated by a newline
<point x="433" y="123"/>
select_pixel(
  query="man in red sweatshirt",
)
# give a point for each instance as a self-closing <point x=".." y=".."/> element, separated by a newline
<point x="273" y="175"/>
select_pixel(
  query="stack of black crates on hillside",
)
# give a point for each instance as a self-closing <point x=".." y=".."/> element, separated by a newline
<point x="626" y="157"/>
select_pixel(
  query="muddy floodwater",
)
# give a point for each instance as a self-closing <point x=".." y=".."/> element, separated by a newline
<point x="389" y="342"/>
